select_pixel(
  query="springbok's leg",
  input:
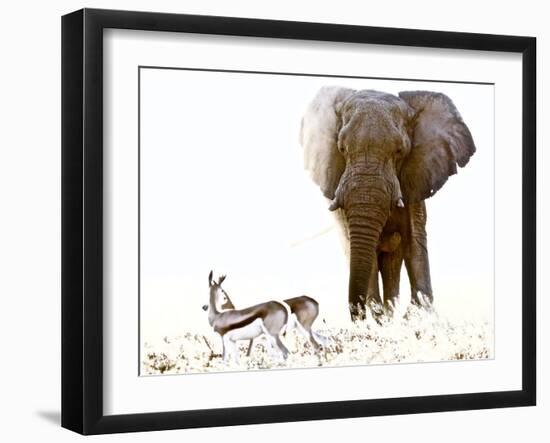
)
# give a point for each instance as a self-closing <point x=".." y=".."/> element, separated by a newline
<point x="282" y="348"/>
<point x="234" y="351"/>
<point x="321" y="339"/>
<point x="270" y="344"/>
<point x="305" y="330"/>
<point x="230" y="350"/>
<point x="313" y="341"/>
<point x="275" y="344"/>
<point x="250" y="345"/>
<point x="304" y="325"/>
<point x="226" y="349"/>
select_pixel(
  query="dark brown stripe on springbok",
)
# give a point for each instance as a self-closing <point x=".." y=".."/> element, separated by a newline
<point x="249" y="315"/>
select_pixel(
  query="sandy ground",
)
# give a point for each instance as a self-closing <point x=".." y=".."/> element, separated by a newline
<point x="416" y="337"/>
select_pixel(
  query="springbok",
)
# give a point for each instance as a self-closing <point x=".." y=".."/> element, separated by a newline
<point x="269" y="318"/>
<point x="302" y="312"/>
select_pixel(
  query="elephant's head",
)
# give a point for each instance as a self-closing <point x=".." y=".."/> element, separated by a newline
<point x="371" y="152"/>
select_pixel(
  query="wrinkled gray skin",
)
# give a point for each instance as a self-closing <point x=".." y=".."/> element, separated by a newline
<point x="377" y="157"/>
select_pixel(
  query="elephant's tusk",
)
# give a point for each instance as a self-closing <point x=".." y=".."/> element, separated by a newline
<point x="312" y="237"/>
<point x="334" y="204"/>
<point x="400" y="203"/>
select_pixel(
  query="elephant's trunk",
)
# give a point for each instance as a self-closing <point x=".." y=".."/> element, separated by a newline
<point x="367" y="208"/>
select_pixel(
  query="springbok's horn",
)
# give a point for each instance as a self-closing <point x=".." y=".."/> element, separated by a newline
<point x="210" y="278"/>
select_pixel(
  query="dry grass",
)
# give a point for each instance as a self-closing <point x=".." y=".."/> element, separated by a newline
<point x="417" y="337"/>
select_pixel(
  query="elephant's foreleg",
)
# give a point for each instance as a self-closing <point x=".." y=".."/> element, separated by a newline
<point x="416" y="257"/>
<point x="390" y="268"/>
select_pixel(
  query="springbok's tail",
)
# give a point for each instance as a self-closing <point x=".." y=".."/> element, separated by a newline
<point x="290" y="320"/>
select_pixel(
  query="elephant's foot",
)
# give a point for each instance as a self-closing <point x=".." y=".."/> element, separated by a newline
<point x="376" y="310"/>
<point x="389" y="307"/>
<point x="357" y="311"/>
<point x="422" y="300"/>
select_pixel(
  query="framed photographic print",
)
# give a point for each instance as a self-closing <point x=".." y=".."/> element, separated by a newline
<point x="269" y="221"/>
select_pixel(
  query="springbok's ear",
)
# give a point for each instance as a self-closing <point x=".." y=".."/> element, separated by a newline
<point x="440" y="141"/>
<point x="221" y="279"/>
<point x="210" y="278"/>
<point x="319" y="138"/>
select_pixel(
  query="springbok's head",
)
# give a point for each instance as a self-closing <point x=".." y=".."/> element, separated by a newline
<point x="218" y="297"/>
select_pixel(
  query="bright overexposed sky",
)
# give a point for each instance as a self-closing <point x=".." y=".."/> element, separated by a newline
<point x="223" y="187"/>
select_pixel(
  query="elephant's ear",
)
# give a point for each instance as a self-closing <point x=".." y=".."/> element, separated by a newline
<point x="319" y="138"/>
<point x="440" y="141"/>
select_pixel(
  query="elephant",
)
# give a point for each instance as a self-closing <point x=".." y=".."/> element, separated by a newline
<point x="377" y="157"/>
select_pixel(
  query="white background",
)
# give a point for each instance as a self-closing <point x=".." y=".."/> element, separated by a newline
<point x="30" y="257"/>
<point x="223" y="186"/>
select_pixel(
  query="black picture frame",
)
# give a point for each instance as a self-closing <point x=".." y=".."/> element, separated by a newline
<point x="82" y="220"/>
